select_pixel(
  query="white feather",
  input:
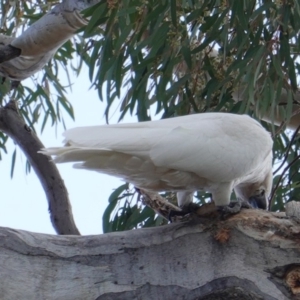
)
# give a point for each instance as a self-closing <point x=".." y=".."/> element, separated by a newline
<point x="213" y="151"/>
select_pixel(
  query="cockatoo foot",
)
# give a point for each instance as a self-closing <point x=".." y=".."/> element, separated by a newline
<point x="186" y="209"/>
<point x="233" y="208"/>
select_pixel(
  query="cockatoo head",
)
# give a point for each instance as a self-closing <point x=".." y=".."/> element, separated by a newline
<point x="256" y="193"/>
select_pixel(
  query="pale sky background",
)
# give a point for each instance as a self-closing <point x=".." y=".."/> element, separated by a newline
<point x="23" y="203"/>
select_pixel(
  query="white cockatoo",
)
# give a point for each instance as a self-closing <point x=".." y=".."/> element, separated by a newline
<point x="215" y="152"/>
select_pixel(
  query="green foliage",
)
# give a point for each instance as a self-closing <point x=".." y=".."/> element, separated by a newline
<point x="124" y="215"/>
<point x="197" y="56"/>
<point x="161" y="53"/>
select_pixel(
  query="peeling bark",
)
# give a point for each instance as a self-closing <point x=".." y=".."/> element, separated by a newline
<point x="60" y="208"/>
<point x="40" y="41"/>
<point x="292" y="210"/>
<point x="8" y="52"/>
<point x="252" y="255"/>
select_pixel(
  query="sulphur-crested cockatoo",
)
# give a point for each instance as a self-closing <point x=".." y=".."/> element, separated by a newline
<point x="215" y="152"/>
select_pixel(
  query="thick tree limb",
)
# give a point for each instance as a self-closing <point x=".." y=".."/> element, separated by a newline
<point x="252" y="255"/>
<point x="41" y="40"/>
<point x="60" y="208"/>
<point x="9" y="52"/>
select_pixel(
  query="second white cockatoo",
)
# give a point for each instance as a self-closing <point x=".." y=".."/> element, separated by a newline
<point x="215" y="152"/>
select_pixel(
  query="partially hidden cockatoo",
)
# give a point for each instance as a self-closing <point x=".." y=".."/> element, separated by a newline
<point x="215" y="152"/>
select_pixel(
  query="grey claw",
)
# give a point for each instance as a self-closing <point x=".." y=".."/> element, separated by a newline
<point x="234" y="208"/>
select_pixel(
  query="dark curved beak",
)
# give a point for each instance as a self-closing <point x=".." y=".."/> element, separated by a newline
<point x="258" y="201"/>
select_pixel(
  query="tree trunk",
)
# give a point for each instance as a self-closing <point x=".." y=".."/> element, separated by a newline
<point x="60" y="209"/>
<point x="252" y="255"/>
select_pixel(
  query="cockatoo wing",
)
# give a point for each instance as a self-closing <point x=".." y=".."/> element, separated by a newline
<point x="217" y="146"/>
<point x="213" y="151"/>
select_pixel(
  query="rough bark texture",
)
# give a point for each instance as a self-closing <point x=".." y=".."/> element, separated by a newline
<point x="27" y="54"/>
<point x="252" y="255"/>
<point x="60" y="208"/>
<point x="8" y="52"/>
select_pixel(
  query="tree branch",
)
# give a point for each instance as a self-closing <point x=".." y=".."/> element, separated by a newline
<point x="9" y="52"/>
<point x="41" y="40"/>
<point x="158" y="203"/>
<point x="165" y="208"/>
<point x="60" y="208"/>
<point x="252" y="255"/>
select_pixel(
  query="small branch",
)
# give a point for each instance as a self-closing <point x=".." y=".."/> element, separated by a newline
<point x="164" y="208"/>
<point x="60" y="208"/>
<point x="280" y="178"/>
<point x="287" y="150"/>
<point x="9" y="52"/>
<point x="158" y="203"/>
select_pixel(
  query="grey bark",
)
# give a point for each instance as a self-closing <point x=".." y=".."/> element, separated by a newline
<point x="60" y="208"/>
<point x="27" y="54"/>
<point x="8" y="52"/>
<point x="252" y="255"/>
<point x="292" y="210"/>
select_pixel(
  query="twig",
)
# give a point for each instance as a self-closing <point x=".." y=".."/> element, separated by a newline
<point x="287" y="150"/>
<point x="165" y="208"/>
<point x="159" y="204"/>
<point x="60" y="208"/>
<point x="280" y="178"/>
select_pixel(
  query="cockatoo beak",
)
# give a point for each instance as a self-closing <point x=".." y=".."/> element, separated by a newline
<point x="258" y="201"/>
